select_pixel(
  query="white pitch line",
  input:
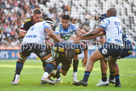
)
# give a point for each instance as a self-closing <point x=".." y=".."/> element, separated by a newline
<point x="70" y="74"/>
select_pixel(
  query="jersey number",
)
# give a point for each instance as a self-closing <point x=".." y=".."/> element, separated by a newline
<point x="119" y="31"/>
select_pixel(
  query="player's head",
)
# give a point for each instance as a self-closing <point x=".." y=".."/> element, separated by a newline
<point x="37" y="15"/>
<point x="65" y="20"/>
<point x="111" y="12"/>
<point x="49" y="21"/>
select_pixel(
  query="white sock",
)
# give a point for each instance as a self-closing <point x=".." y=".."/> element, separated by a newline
<point x="46" y="75"/>
<point x="17" y="77"/>
<point x="74" y="73"/>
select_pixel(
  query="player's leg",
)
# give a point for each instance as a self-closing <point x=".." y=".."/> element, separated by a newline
<point x="48" y="69"/>
<point x="66" y="64"/>
<point x="42" y="52"/>
<point x="23" y="54"/>
<point x="103" y="81"/>
<point x="75" y="68"/>
<point x="114" y="67"/>
<point x="112" y="75"/>
<point x="19" y="67"/>
<point x="93" y="58"/>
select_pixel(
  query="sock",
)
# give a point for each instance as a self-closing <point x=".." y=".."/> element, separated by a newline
<point x="117" y="79"/>
<point x="104" y="77"/>
<point x="74" y="73"/>
<point x="75" y="65"/>
<point x="16" y="77"/>
<point x="86" y="76"/>
<point x="46" y="75"/>
<point x="49" y="68"/>
<point x="19" y="66"/>
<point x="111" y="76"/>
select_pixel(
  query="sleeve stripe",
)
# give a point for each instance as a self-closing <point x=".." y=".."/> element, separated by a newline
<point x="47" y="27"/>
<point x="22" y="29"/>
<point x="57" y="33"/>
<point x="102" y="27"/>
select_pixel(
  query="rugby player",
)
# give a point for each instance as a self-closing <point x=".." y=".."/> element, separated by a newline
<point x="63" y="53"/>
<point x="112" y="47"/>
<point x="127" y="51"/>
<point x="34" y="41"/>
<point x="36" y="17"/>
<point x="64" y="31"/>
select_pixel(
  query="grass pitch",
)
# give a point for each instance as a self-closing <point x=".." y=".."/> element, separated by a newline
<point x="32" y="72"/>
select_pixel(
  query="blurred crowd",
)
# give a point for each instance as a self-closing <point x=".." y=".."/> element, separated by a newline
<point x="14" y="12"/>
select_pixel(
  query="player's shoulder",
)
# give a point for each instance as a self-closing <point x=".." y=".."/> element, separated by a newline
<point x="27" y="20"/>
<point x="112" y="18"/>
<point x="106" y="20"/>
<point x="44" y="24"/>
<point x="59" y="27"/>
<point x="72" y="25"/>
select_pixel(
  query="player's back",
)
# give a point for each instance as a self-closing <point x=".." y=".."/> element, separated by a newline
<point x="36" y="33"/>
<point x="113" y="29"/>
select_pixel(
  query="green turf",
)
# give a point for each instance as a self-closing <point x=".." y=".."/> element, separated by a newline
<point x="32" y="72"/>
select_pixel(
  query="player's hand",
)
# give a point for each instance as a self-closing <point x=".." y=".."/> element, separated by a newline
<point x="84" y="62"/>
<point x="61" y="40"/>
<point x="77" y="40"/>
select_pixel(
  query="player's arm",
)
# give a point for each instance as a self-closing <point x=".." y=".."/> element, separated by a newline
<point x="23" y="29"/>
<point x="93" y="33"/>
<point x="79" y="33"/>
<point x="58" y="35"/>
<point x="92" y="37"/>
<point x="57" y="32"/>
<point x="22" y="33"/>
<point x="84" y="61"/>
<point x="52" y="34"/>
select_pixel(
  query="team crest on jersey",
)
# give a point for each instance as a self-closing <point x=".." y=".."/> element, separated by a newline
<point x="58" y="28"/>
<point x="102" y="23"/>
<point x="104" y="51"/>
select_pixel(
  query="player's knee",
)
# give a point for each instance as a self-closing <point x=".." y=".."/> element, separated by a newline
<point x="91" y="60"/>
<point x="21" y="58"/>
<point x="76" y="57"/>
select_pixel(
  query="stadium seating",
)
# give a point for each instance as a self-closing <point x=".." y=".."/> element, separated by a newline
<point x="126" y="11"/>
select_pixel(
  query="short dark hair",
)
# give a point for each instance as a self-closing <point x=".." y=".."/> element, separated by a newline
<point x="66" y="17"/>
<point x="37" y="11"/>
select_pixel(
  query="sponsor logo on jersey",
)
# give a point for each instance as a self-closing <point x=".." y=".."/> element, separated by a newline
<point x="104" y="51"/>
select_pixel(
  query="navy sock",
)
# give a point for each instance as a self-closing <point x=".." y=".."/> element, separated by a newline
<point x="111" y="76"/>
<point x="75" y="65"/>
<point x="104" y="77"/>
<point x="49" y="68"/>
<point x="86" y="76"/>
<point x="117" y="79"/>
<point x="19" y="66"/>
